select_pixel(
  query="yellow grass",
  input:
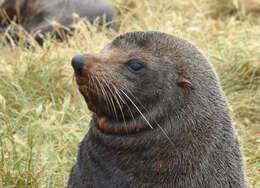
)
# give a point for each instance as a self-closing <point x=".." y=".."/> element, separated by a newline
<point x="43" y="117"/>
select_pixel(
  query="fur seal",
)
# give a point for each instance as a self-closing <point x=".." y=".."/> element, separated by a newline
<point x="160" y="119"/>
<point x="36" y="16"/>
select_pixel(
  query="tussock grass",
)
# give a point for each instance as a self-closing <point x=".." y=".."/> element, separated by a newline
<point x="43" y="117"/>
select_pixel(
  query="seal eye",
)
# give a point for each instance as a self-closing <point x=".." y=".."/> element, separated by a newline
<point x="135" y="65"/>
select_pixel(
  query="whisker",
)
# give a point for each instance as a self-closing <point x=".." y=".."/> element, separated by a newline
<point x="109" y="99"/>
<point x="110" y="96"/>
<point x="163" y="131"/>
<point x="124" y="102"/>
<point x="116" y="99"/>
<point x="137" y="108"/>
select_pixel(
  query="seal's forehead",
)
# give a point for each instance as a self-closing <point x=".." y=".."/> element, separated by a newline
<point x="145" y="39"/>
<point x="138" y="38"/>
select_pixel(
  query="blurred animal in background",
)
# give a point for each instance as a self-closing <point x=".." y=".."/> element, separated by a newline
<point x="38" y="17"/>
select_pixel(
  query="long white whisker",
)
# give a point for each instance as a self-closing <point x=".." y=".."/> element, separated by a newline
<point x="119" y="96"/>
<point x="137" y="108"/>
<point x="105" y="95"/>
<point x="110" y="101"/>
<point x="117" y="101"/>
<point x="146" y="119"/>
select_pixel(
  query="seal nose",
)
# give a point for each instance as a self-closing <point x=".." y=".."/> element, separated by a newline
<point x="77" y="63"/>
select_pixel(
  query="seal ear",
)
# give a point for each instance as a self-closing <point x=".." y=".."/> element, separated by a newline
<point x="184" y="82"/>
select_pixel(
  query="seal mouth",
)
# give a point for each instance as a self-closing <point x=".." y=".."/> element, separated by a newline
<point x="103" y="103"/>
<point x="115" y="114"/>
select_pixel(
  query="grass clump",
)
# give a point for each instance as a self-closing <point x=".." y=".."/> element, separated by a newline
<point x="43" y="117"/>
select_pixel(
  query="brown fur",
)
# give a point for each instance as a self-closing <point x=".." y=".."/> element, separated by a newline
<point x="163" y="125"/>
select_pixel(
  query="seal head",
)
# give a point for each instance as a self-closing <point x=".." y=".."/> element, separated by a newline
<point x="159" y="117"/>
<point x="129" y="85"/>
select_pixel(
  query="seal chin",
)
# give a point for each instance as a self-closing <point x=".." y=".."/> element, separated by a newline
<point x="105" y="125"/>
<point x="84" y="91"/>
<point x="124" y="127"/>
<point x="113" y="127"/>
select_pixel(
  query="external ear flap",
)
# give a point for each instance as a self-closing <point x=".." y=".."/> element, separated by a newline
<point x="183" y="82"/>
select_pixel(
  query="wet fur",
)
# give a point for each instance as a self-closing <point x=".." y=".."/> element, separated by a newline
<point x="192" y="143"/>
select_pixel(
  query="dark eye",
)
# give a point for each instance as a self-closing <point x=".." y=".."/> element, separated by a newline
<point x="135" y="65"/>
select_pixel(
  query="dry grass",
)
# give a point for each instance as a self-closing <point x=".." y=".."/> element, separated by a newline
<point x="43" y="117"/>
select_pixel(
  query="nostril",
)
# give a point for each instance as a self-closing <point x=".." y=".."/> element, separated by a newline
<point x="77" y="63"/>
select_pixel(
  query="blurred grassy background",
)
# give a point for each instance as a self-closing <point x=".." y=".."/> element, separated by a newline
<point x="43" y="117"/>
